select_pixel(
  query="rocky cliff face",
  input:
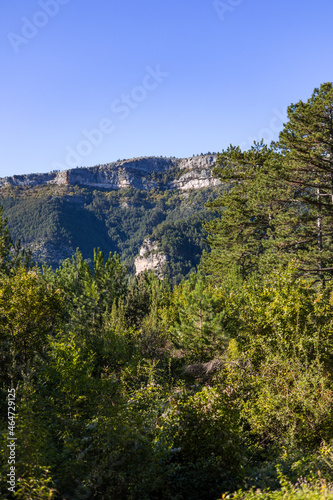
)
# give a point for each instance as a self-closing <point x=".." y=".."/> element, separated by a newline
<point x="150" y="258"/>
<point x="197" y="173"/>
<point x="140" y="173"/>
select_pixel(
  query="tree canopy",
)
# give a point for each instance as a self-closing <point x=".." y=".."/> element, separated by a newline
<point x="278" y="205"/>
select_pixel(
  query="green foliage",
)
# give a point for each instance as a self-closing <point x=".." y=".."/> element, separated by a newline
<point x="182" y="241"/>
<point x="307" y="144"/>
<point x="91" y="292"/>
<point x="291" y="404"/>
<point x="53" y="221"/>
<point x="199" y="332"/>
<point x="36" y="487"/>
<point x="108" y="402"/>
<point x="246" y="229"/>
<point x="11" y="255"/>
<point x="302" y="491"/>
<point x="29" y="313"/>
<point x="201" y="435"/>
<point x="279" y="204"/>
<point x="287" y="313"/>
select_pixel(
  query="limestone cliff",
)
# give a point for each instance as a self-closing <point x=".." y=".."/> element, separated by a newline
<point x="150" y="258"/>
<point x="197" y="173"/>
<point x="140" y="173"/>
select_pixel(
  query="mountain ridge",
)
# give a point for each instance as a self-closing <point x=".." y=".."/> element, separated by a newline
<point x="114" y="207"/>
<point x="141" y="173"/>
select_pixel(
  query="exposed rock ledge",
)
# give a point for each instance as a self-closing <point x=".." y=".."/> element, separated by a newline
<point x="198" y="173"/>
<point x="137" y="173"/>
<point x="150" y="258"/>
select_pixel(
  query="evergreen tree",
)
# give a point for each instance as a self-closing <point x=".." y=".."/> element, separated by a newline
<point x="307" y="145"/>
<point x="278" y="205"/>
<point x="11" y="255"/>
<point x="91" y="292"/>
<point x="251" y="211"/>
<point x="199" y="331"/>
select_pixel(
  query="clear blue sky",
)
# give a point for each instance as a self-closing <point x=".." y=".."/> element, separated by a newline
<point x="85" y="82"/>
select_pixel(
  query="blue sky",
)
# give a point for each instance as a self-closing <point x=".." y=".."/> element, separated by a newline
<point x="87" y="82"/>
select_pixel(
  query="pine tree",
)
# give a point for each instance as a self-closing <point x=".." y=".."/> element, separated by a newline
<point x="199" y="331"/>
<point x="307" y="145"/>
<point x="91" y="292"/>
<point x="278" y="205"/>
<point x="246" y="233"/>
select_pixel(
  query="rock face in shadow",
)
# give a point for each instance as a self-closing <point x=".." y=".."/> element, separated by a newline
<point x="140" y="173"/>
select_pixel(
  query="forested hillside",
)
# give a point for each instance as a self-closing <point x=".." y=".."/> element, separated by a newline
<point x="54" y="220"/>
<point x="220" y="386"/>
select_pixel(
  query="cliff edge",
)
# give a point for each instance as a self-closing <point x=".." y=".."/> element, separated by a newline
<point x="140" y="173"/>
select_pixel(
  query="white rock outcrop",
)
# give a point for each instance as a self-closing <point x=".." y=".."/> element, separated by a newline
<point x="150" y="258"/>
<point x="198" y="173"/>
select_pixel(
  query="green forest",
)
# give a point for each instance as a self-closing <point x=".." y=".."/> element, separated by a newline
<point x="211" y="387"/>
<point x="53" y="221"/>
